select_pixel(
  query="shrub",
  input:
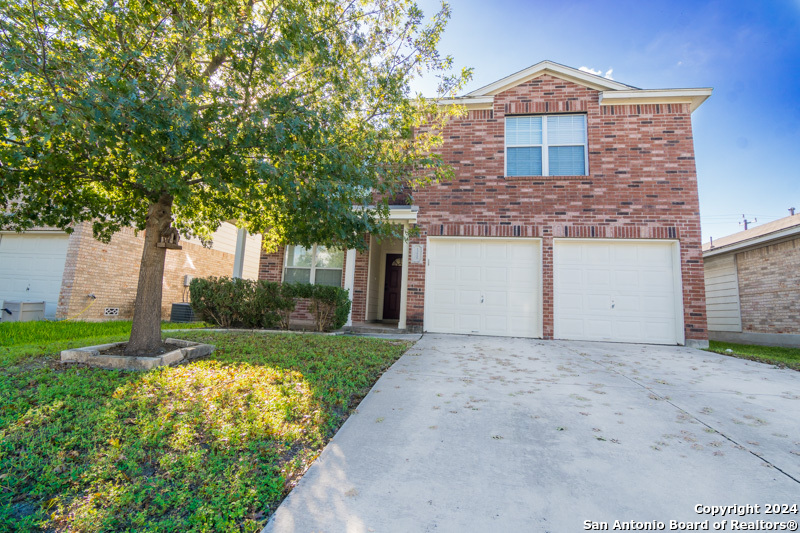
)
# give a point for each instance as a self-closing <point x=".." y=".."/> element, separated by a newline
<point x="231" y="303"/>
<point x="330" y="306"/>
<point x="220" y="300"/>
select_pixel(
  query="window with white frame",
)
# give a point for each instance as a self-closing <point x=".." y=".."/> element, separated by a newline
<point x="546" y="145"/>
<point x="318" y="265"/>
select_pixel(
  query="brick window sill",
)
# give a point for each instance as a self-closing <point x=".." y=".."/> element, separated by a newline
<point x="547" y="178"/>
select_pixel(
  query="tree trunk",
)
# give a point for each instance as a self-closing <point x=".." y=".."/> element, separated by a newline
<point x="146" y="331"/>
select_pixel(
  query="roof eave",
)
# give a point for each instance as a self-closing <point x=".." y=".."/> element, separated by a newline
<point x="693" y="97"/>
<point x="578" y="76"/>
<point x="753" y="242"/>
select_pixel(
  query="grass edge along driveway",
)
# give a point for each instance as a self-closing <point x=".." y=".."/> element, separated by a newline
<point x="213" y="445"/>
<point x="774" y="355"/>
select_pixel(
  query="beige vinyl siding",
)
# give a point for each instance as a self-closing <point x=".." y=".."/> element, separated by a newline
<point x="224" y="239"/>
<point x="722" y="294"/>
<point x="252" y="256"/>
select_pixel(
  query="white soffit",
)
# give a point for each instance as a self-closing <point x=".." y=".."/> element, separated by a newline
<point x="693" y="97"/>
<point x="405" y="214"/>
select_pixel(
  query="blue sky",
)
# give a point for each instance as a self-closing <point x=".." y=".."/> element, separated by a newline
<point x="747" y="135"/>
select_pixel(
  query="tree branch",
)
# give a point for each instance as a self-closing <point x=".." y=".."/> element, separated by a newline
<point x="44" y="50"/>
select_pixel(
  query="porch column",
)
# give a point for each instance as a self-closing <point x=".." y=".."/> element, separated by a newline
<point x="401" y="324"/>
<point x="349" y="280"/>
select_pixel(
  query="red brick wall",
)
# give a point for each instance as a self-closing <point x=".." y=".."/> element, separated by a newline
<point x="641" y="184"/>
<point x="769" y="288"/>
<point x="271" y="269"/>
<point x="111" y="272"/>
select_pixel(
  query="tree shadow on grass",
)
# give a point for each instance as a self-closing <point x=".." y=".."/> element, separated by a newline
<point x="213" y="444"/>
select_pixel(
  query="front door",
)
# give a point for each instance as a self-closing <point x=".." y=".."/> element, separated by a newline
<point x="391" y="286"/>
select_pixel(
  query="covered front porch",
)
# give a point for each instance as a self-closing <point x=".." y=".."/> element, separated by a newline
<point x="378" y="279"/>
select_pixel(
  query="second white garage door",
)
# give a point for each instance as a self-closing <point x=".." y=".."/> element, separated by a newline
<point x="484" y="286"/>
<point x="623" y="291"/>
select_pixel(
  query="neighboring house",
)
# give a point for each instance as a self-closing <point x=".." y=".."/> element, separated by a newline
<point x="753" y="284"/>
<point x="573" y="214"/>
<point x="63" y="270"/>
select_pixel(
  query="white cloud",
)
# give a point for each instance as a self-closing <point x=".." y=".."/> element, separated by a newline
<point x="607" y="75"/>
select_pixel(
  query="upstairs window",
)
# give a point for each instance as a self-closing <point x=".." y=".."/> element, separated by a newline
<point x="552" y="145"/>
<point x="317" y="265"/>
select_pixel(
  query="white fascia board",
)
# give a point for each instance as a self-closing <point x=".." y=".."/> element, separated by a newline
<point x="397" y="213"/>
<point x="406" y="214"/>
<point x="693" y="97"/>
<point x="754" y="242"/>
<point x="583" y="78"/>
<point x="483" y="102"/>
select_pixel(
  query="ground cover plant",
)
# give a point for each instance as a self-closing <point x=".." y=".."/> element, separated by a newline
<point x="213" y="445"/>
<point x="776" y="355"/>
<point x="19" y="340"/>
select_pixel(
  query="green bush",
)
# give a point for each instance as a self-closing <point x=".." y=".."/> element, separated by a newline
<point x="330" y="306"/>
<point x="240" y="303"/>
<point x="220" y="300"/>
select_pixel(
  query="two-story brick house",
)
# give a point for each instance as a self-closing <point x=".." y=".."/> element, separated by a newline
<point x="573" y="214"/>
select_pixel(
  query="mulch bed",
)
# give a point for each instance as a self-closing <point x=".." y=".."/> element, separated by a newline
<point x="120" y="350"/>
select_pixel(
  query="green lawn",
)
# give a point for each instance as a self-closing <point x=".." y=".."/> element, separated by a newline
<point x="213" y="445"/>
<point x="20" y="340"/>
<point x="776" y="355"/>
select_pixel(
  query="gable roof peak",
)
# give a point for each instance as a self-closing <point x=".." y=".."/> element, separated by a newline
<point x="550" y="67"/>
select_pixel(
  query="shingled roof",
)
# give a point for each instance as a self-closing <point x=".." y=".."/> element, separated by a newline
<point x="743" y="238"/>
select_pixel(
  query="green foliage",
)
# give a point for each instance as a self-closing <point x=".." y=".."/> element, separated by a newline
<point x="213" y="445"/>
<point x="331" y="306"/>
<point x="280" y="115"/>
<point x="240" y="303"/>
<point x="776" y="355"/>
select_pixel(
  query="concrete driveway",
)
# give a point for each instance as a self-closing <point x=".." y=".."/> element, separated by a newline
<point x="470" y="433"/>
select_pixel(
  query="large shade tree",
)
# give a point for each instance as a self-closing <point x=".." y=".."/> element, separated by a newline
<point x="286" y="116"/>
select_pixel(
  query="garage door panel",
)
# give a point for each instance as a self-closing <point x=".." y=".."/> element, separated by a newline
<point x="444" y="321"/>
<point x="570" y="277"/>
<point x="496" y="284"/>
<point x="596" y="255"/>
<point x="468" y="323"/>
<point x="598" y="277"/>
<point x="469" y="251"/>
<point x="496" y="324"/>
<point x="467" y="297"/>
<point x="597" y="302"/>
<point x="518" y="254"/>
<point x="657" y="281"/>
<point x="445" y="273"/>
<point x="660" y="305"/>
<point x="625" y="278"/>
<point x="31" y="268"/>
<point x="496" y="274"/>
<point x="496" y="298"/>
<point x="627" y="291"/>
<point x="523" y="276"/>
<point x="469" y="273"/>
<point x="442" y="297"/>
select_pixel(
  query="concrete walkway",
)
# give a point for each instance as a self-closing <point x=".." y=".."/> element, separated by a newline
<point x="481" y="434"/>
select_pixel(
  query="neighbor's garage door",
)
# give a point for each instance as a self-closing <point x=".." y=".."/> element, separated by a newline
<point x="31" y="267"/>
<point x="484" y="286"/>
<point x="625" y="291"/>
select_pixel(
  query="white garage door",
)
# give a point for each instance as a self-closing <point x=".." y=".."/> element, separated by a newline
<point x="31" y="267"/>
<point x="484" y="287"/>
<point x="624" y="291"/>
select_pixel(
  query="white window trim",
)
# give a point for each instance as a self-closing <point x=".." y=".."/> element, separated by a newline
<point x="544" y="145"/>
<point x="313" y="268"/>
